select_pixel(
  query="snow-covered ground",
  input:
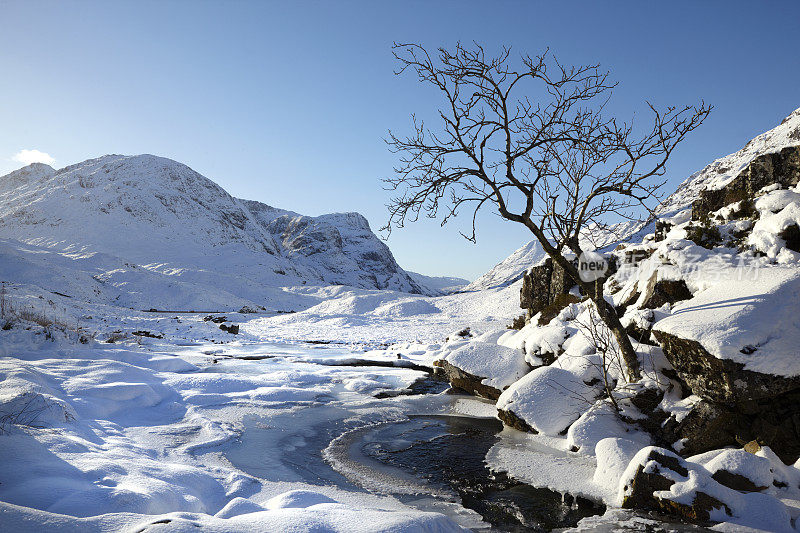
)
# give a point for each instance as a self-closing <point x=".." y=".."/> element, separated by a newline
<point x="128" y="402"/>
<point x="110" y="437"/>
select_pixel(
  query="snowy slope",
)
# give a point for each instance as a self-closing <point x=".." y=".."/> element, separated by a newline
<point x="147" y="232"/>
<point x="339" y="248"/>
<point x="509" y="269"/>
<point x="512" y="267"/>
<point x="725" y="169"/>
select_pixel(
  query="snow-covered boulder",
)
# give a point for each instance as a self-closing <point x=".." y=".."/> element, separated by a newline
<point x="601" y="422"/>
<point x="658" y="479"/>
<point x="738" y="469"/>
<point x="483" y="368"/>
<point x="547" y="400"/>
<point x="737" y="341"/>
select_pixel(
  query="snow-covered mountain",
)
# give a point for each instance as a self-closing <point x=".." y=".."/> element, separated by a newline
<point x="339" y="248"/>
<point x="146" y="228"/>
<point x="509" y="269"/>
<point x="443" y="284"/>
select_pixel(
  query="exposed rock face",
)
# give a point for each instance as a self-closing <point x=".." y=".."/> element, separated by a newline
<point x="781" y="167"/>
<point x="738" y="405"/>
<point x="535" y="292"/>
<point x="511" y="420"/>
<point x="720" y="380"/>
<point x="735" y="481"/>
<point x="663" y="292"/>
<point x="465" y="381"/>
<point x="542" y="285"/>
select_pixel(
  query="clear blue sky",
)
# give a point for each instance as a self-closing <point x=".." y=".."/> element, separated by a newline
<point x="288" y="102"/>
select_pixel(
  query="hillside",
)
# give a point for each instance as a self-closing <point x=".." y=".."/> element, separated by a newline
<point x="146" y="231"/>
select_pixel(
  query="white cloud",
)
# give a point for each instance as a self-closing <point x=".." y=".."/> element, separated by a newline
<point x="26" y="157"/>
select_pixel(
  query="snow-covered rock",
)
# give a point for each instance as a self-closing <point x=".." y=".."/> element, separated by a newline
<point x="482" y="368"/>
<point x="547" y="400"/>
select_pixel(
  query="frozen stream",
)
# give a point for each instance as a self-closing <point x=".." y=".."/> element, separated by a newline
<point x="401" y="436"/>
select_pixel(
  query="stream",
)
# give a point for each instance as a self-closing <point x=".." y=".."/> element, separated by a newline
<point x="421" y="445"/>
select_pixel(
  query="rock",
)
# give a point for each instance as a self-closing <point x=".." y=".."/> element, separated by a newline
<point x="735" y="481"/>
<point x="535" y="292"/>
<point x="145" y="333"/>
<point x="710" y="425"/>
<point x="752" y="447"/>
<point x="215" y="319"/>
<point x="720" y="380"/>
<point x="464" y="381"/>
<point x="781" y="167"/>
<point x="791" y="234"/>
<point x="542" y="285"/>
<point x="740" y="470"/>
<point x="511" y="420"/>
<point x="658" y="469"/>
<point x="233" y="328"/>
<point x="663" y="292"/>
<point x="662" y="228"/>
<point x="556" y="306"/>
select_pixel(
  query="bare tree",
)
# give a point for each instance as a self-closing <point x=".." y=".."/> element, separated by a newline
<point x="532" y="141"/>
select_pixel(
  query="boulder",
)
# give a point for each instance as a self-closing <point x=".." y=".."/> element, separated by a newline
<point x="720" y="380"/>
<point x="233" y="328"/>
<point x="548" y="399"/>
<point x="665" y="291"/>
<point x="658" y="470"/>
<point x="535" y="292"/>
<point x="542" y="285"/>
<point x="482" y="368"/>
<point x="511" y="420"/>
<point x="469" y="383"/>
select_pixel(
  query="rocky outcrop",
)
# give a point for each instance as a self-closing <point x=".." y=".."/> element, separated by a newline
<point x="737" y="406"/>
<point x="535" y="292"/>
<point x="464" y="381"/>
<point x="781" y="167"/>
<point x="720" y="380"/>
<point x="663" y="292"/>
<point x="657" y="472"/>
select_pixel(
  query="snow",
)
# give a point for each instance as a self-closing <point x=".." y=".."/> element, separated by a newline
<point x="196" y="428"/>
<point x="748" y="465"/>
<point x="442" y="284"/>
<point x="548" y="398"/>
<point x="510" y="269"/>
<point x="725" y="169"/>
<point x="500" y="366"/>
<point x="614" y="454"/>
<point x="760" y="313"/>
<point x="190" y="237"/>
<point x="600" y="422"/>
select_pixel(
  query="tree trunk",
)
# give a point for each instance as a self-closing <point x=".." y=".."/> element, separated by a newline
<point x="607" y="312"/>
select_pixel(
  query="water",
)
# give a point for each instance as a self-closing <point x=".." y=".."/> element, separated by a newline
<point x="434" y="461"/>
<point x="444" y="455"/>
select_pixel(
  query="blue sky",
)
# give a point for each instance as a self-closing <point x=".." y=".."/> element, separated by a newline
<point x="288" y="102"/>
